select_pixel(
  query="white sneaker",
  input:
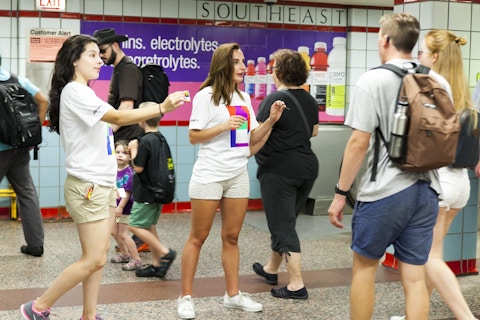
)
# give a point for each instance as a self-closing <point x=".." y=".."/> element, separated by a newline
<point x="397" y="318"/>
<point x="241" y="301"/>
<point x="186" y="309"/>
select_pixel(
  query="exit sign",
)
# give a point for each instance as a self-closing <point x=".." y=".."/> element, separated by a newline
<point x="50" y="5"/>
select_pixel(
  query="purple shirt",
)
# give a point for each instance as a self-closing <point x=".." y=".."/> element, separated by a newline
<point x="125" y="181"/>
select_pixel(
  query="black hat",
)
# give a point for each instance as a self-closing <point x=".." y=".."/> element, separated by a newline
<point x="108" y="36"/>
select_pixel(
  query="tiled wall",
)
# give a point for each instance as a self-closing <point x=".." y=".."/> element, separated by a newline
<point x="361" y="25"/>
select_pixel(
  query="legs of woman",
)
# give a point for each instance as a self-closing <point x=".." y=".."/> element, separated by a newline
<point x="233" y="212"/>
<point x="439" y="275"/>
<point x="94" y="239"/>
<point x="203" y="213"/>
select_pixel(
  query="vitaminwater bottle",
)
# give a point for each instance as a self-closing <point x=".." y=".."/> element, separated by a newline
<point x="305" y="52"/>
<point x="319" y="75"/>
<point x="249" y="78"/>
<point x="270" y="83"/>
<point x="336" y="77"/>
<point x="260" y="78"/>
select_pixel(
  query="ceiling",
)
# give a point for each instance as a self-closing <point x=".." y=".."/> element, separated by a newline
<point x="375" y="3"/>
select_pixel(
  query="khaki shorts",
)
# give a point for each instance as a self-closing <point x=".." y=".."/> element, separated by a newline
<point x="84" y="206"/>
<point x="237" y="187"/>
<point x="123" y="219"/>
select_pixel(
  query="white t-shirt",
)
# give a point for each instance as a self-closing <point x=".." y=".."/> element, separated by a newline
<point x="87" y="141"/>
<point x="372" y="106"/>
<point x="226" y="155"/>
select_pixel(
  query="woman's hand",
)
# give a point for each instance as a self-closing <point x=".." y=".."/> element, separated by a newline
<point x="276" y="110"/>
<point x="234" y="122"/>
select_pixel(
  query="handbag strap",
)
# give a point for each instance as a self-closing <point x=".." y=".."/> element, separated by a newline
<point x="297" y="104"/>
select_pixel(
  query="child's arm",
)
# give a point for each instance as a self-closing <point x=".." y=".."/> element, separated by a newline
<point x="122" y="204"/>
<point x="133" y="148"/>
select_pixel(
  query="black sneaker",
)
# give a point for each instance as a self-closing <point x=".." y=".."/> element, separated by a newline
<point x="166" y="261"/>
<point x="149" y="271"/>
<point x="287" y="294"/>
<point x="33" y="251"/>
<point x="271" y="278"/>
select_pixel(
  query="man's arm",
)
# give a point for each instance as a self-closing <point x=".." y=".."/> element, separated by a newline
<point x="42" y="104"/>
<point x="353" y="157"/>
<point x="125" y="104"/>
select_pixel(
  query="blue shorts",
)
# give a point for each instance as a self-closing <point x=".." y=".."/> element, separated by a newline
<point x="405" y="219"/>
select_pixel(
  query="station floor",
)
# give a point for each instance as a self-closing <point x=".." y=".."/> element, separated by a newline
<point x="326" y="264"/>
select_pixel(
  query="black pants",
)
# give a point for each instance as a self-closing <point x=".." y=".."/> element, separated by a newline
<point x="283" y="198"/>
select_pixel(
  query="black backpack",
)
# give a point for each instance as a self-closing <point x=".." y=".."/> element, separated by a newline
<point x="164" y="189"/>
<point x="155" y="83"/>
<point x="20" y="124"/>
<point x="467" y="153"/>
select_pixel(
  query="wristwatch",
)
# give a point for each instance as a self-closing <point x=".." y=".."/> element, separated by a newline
<point x="339" y="191"/>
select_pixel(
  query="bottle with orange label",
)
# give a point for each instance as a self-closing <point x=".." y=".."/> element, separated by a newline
<point x="270" y="83"/>
<point x="305" y="53"/>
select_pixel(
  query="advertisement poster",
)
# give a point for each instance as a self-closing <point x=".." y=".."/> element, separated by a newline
<point x="185" y="51"/>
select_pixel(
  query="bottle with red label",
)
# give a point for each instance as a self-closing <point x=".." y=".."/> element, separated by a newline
<point x="319" y="74"/>
<point x="249" y="78"/>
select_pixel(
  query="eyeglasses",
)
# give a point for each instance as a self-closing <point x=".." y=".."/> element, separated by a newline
<point x="103" y="50"/>
<point x="420" y="52"/>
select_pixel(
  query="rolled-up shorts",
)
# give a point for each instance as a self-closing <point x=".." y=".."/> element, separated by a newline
<point x="405" y="219"/>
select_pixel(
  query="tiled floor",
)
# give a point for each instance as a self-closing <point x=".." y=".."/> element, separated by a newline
<point x="326" y="261"/>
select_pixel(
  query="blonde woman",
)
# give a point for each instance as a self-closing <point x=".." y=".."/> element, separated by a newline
<point x="440" y="51"/>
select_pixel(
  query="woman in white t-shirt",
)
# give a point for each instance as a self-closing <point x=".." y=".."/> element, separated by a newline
<point x="83" y="122"/>
<point x="223" y="123"/>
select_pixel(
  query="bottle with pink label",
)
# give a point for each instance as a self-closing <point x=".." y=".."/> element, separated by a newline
<point x="260" y="78"/>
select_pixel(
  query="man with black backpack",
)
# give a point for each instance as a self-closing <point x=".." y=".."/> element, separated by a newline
<point x="398" y="206"/>
<point x="15" y="165"/>
<point x="126" y="87"/>
<point x="126" y="84"/>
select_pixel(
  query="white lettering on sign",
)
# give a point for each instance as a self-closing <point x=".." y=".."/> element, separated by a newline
<point x="262" y="13"/>
<point x="50" y="5"/>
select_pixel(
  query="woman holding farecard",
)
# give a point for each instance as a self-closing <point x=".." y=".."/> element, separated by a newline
<point x="223" y="124"/>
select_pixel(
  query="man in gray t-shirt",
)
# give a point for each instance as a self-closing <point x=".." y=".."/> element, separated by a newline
<point x="400" y="207"/>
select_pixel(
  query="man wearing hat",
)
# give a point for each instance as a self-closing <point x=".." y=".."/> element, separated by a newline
<point x="126" y="87"/>
<point x="127" y="82"/>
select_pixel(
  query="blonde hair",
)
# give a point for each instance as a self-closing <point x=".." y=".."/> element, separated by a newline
<point x="449" y="64"/>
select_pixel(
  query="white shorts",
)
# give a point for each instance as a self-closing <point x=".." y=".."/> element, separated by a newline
<point x="237" y="187"/>
<point x="455" y="187"/>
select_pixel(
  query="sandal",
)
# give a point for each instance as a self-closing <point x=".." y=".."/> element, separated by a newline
<point x="166" y="262"/>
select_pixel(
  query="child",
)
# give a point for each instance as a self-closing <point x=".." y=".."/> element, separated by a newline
<point x="128" y="249"/>
<point x="145" y="211"/>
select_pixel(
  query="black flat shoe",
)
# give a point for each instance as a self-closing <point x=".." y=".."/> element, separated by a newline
<point x="284" y="293"/>
<point x="271" y="278"/>
<point x="33" y="251"/>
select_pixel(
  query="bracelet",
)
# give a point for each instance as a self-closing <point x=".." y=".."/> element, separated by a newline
<point x="341" y="192"/>
<point x="160" y="109"/>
